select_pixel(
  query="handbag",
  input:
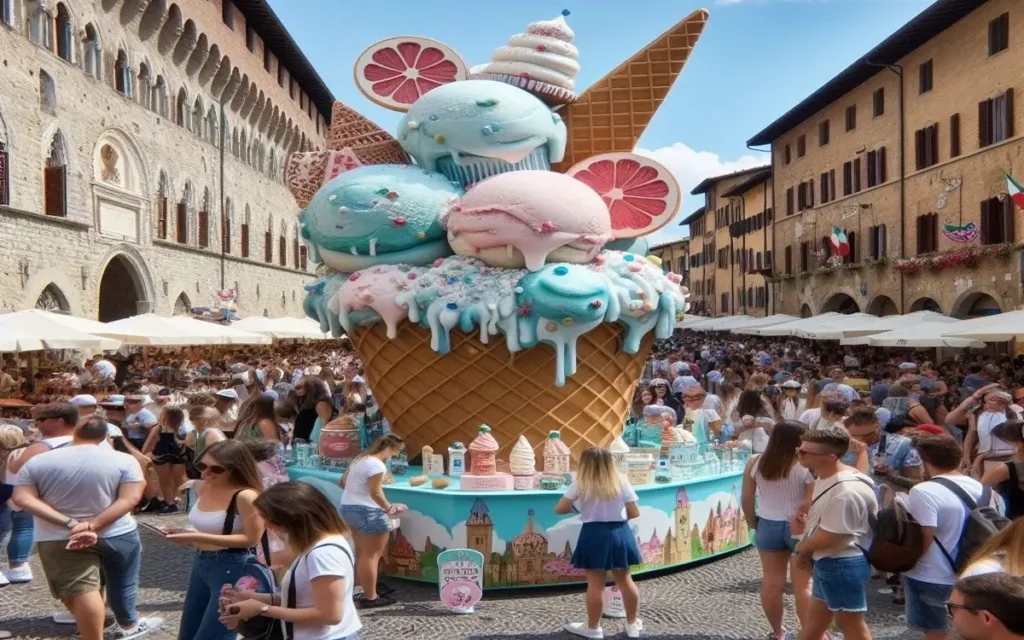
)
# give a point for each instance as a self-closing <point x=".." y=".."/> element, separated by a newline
<point x="266" y="628"/>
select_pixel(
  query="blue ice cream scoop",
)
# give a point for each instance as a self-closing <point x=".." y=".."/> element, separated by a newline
<point x="473" y="129"/>
<point x="382" y="214"/>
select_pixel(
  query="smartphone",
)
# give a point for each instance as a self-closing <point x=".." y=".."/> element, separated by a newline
<point x="160" y="531"/>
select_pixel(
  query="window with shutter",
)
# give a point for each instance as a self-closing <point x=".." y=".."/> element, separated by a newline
<point x="787" y="156"/>
<point x="824" y="188"/>
<point x="161" y="218"/>
<point x="985" y="123"/>
<point x="925" y="77"/>
<point x="847" y="178"/>
<point x="789" y="259"/>
<point x="919" y="150"/>
<point x="181" y="223"/>
<point x="999" y="34"/>
<point x="302" y="257"/>
<point x="245" y="241"/>
<point x="268" y="247"/>
<point x="872" y="160"/>
<point x="810" y="193"/>
<point x="851" y="117"/>
<point x="878" y="102"/>
<point x="789" y="201"/>
<point x="826" y="248"/>
<point x="295" y="252"/>
<point x="55" y="191"/>
<point x="801" y="146"/>
<point x="204" y="229"/>
<point x="857" y="180"/>
<point x="225" y="234"/>
<point x="282" y="251"/>
<point x="954" y="135"/>
<point x="823" y="133"/>
<point x="851" y="238"/>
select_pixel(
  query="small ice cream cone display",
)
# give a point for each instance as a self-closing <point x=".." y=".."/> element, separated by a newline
<point x="543" y="61"/>
<point x="483" y="474"/>
<point x="523" y="464"/>
<point x="556" y="454"/>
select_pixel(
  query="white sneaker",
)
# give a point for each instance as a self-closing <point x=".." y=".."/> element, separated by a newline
<point x="21" y="575"/>
<point x="3" y="580"/>
<point x="633" y="630"/>
<point x="64" y="617"/>
<point x="141" y="628"/>
<point x="5" y="634"/>
<point x="582" y="630"/>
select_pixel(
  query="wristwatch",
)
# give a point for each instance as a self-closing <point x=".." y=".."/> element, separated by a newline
<point x="264" y="609"/>
<point x="71" y="523"/>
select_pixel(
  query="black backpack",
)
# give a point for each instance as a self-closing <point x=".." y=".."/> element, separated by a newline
<point x="982" y="522"/>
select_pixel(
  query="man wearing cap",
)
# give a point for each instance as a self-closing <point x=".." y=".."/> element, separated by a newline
<point x="227" y="404"/>
<point x="138" y="420"/>
<point x="87" y="405"/>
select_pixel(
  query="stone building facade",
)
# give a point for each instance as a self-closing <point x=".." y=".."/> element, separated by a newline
<point x="935" y="228"/>
<point x="117" y="195"/>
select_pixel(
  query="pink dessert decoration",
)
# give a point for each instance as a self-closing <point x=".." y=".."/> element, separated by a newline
<point x="395" y="72"/>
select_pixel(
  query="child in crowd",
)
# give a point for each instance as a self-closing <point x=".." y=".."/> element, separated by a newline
<point x="606" y="503"/>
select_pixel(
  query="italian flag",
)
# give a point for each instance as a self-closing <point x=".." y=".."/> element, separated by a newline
<point x="1015" y="190"/>
<point x="840" y="245"/>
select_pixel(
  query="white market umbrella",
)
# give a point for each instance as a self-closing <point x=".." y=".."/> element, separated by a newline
<point x="865" y="324"/>
<point x="228" y="334"/>
<point x="282" y="328"/>
<point x="998" y="328"/>
<point x="927" y="334"/>
<point x="788" y="328"/>
<point x="767" y="321"/>
<point x="157" y="331"/>
<point x="85" y="325"/>
<point x="34" y="331"/>
<point x="722" y="324"/>
<point x="689" y="321"/>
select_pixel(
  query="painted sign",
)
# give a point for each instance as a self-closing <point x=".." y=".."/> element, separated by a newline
<point x="433" y="464"/>
<point x="460" y="574"/>
<point x="613" y="607"/>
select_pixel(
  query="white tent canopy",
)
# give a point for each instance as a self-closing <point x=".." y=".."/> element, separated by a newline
<point x="160" y="331"/>
<point x="282" y="328"/>
<point x="228" y="334"/>
<point x="34" y="330"/>
<point x="997" y="328"/>
<point x="925" y="334"/>
<point x="857" y="325"/>
<point x="767" y="321"/>
<point x="690" y="321"/>
<point x="788" y="328"/>
<point x="723" y="323"/>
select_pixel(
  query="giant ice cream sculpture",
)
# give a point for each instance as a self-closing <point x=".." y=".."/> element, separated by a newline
<point x="543" y="317"/>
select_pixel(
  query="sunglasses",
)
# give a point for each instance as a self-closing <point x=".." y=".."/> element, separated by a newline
<point x="804" y="452"/>
<point x="951" y="608"/>
<point x="688" y="398"/>
<point x="215" y="469"/>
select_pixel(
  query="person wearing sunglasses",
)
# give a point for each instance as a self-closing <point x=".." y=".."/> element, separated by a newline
<point x="988" y="607"/>
<point x="695" y="416"/>
<point x="227" y="529"/>
<point x="56" y="422"/>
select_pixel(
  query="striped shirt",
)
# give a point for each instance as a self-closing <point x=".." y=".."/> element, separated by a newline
<point x="779" y="499"/>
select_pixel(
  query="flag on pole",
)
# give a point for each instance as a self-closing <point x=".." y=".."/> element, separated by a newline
<point x="840" y="245"/>
<point x="1015" y="190"/>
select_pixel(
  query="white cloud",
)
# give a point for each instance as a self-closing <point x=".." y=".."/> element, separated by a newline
<point x="690" y="167"/>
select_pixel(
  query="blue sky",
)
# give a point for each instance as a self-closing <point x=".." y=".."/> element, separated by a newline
<point x="755" y="60"/>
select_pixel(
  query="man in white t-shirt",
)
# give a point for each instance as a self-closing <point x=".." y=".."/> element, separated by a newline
<point x="81" y="497"/>
<point x="836" y="528"/>
<point x="988" y="607"/>
<point x="938" y="506"/>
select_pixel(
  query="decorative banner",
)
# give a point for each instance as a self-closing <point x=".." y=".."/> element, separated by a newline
<point x="850" y="211"/>
<point x="1015" y="190"/>
<point x="460" y="575"/>
<point x="966" y="233"/>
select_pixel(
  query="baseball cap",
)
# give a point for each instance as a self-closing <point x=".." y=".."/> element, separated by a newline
<point x="791" y="384"/>
<point x="908" y="366"/>
<point x="83" y="400"/>
<point x="113" y="401"/>
<point x="228" y="393"/>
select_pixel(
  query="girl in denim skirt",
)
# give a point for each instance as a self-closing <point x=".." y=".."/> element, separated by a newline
<point x="368" y="513"/>
<point x="606" y="503"/>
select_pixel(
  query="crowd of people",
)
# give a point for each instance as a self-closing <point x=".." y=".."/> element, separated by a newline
<point x="844" y="443"/>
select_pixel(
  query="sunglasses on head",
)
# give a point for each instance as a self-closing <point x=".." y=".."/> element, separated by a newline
<point x="215" y="469"/>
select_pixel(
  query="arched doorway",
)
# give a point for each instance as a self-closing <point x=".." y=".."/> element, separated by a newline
<point x="52" y="299"/>
<point x="883" y="306"/>
<point x="841" y="303"/>
<point x="976" y="305"/>
<point x="121" y="290"/>
<point x="182" y="306"/>
<point x="805" y="311"/>
<point x="926" y="304"/>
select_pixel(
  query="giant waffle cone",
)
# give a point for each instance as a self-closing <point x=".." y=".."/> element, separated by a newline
<point x="370" y="143"/>
<point x="435" y="400"/>
<point x="614" y="112"/>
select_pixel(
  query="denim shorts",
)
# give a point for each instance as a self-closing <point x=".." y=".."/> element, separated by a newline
<point x="367" y="520"/>
<point x="774" y="535"/>
<point x="841" y="583"/>
<point x="926" y="605"/>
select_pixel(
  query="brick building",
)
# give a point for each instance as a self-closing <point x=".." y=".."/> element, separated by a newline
<point x="731" y="240"/>
<point x="905" y="151"/>
<point x="117" y="195"/>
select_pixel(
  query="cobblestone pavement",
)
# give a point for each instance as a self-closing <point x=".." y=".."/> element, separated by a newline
<point x="714" y="600"/>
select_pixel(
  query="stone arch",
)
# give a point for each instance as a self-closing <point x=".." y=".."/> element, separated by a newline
<point x="108" y="5"/>
<point x="92" y="52"/>
<point x="805" y="311"/>
<point x="975" y="302"/>
<point x="131" y="164"/>
<point x="257" y="110"/>
<point x="123" y="73"/>
<point x="210" y="66"/>
<point x="56" y="148"/>
<point x="125" y="286"/>
<point x="840" y="303"/>
<point x="51" y="298"/>
<point x="220" y="78"/>
<point x="182" y="305"/>
<point x="265" y="116"/>
<point x="171" y="30"/>
<point x="250" y="100"/>
<point x="63" y="30"/>
<point x="130" y="10"/>
<point x="243" y="91"/>
<point x="47" y="93"/>
<point x="272" y="125"/>
<point x="159" y="97"/>
<point x="198" y="118"/>
<point x="882" y="306"/>
<point x="145" y="84"/>
<point x="186" y="42"/>
<point x="198" y="56"/>
<point x="181" y="108"/>
<point x="59" y="282"/>
<point x="212" y="126"/>
<point x="926" y="304"/>
<point x="40" y="29"/>
<point x="232" y="87"/>
<point x="152" y="19"/>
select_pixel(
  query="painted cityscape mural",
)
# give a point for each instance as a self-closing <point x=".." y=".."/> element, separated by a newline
<point x="691" y="530"/>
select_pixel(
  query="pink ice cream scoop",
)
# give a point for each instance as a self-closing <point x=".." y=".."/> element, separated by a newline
<point x="375" y="289"/>
<point x="525" y="218"/>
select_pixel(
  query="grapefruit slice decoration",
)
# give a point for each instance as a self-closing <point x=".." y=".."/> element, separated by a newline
<point x="395" y="72"/>
<point x="641" y="194"/>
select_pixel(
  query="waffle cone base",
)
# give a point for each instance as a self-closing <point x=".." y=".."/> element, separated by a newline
<point x="434" y="400"/>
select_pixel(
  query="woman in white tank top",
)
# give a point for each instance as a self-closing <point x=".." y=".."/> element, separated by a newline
<point x="783" y="488"/>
